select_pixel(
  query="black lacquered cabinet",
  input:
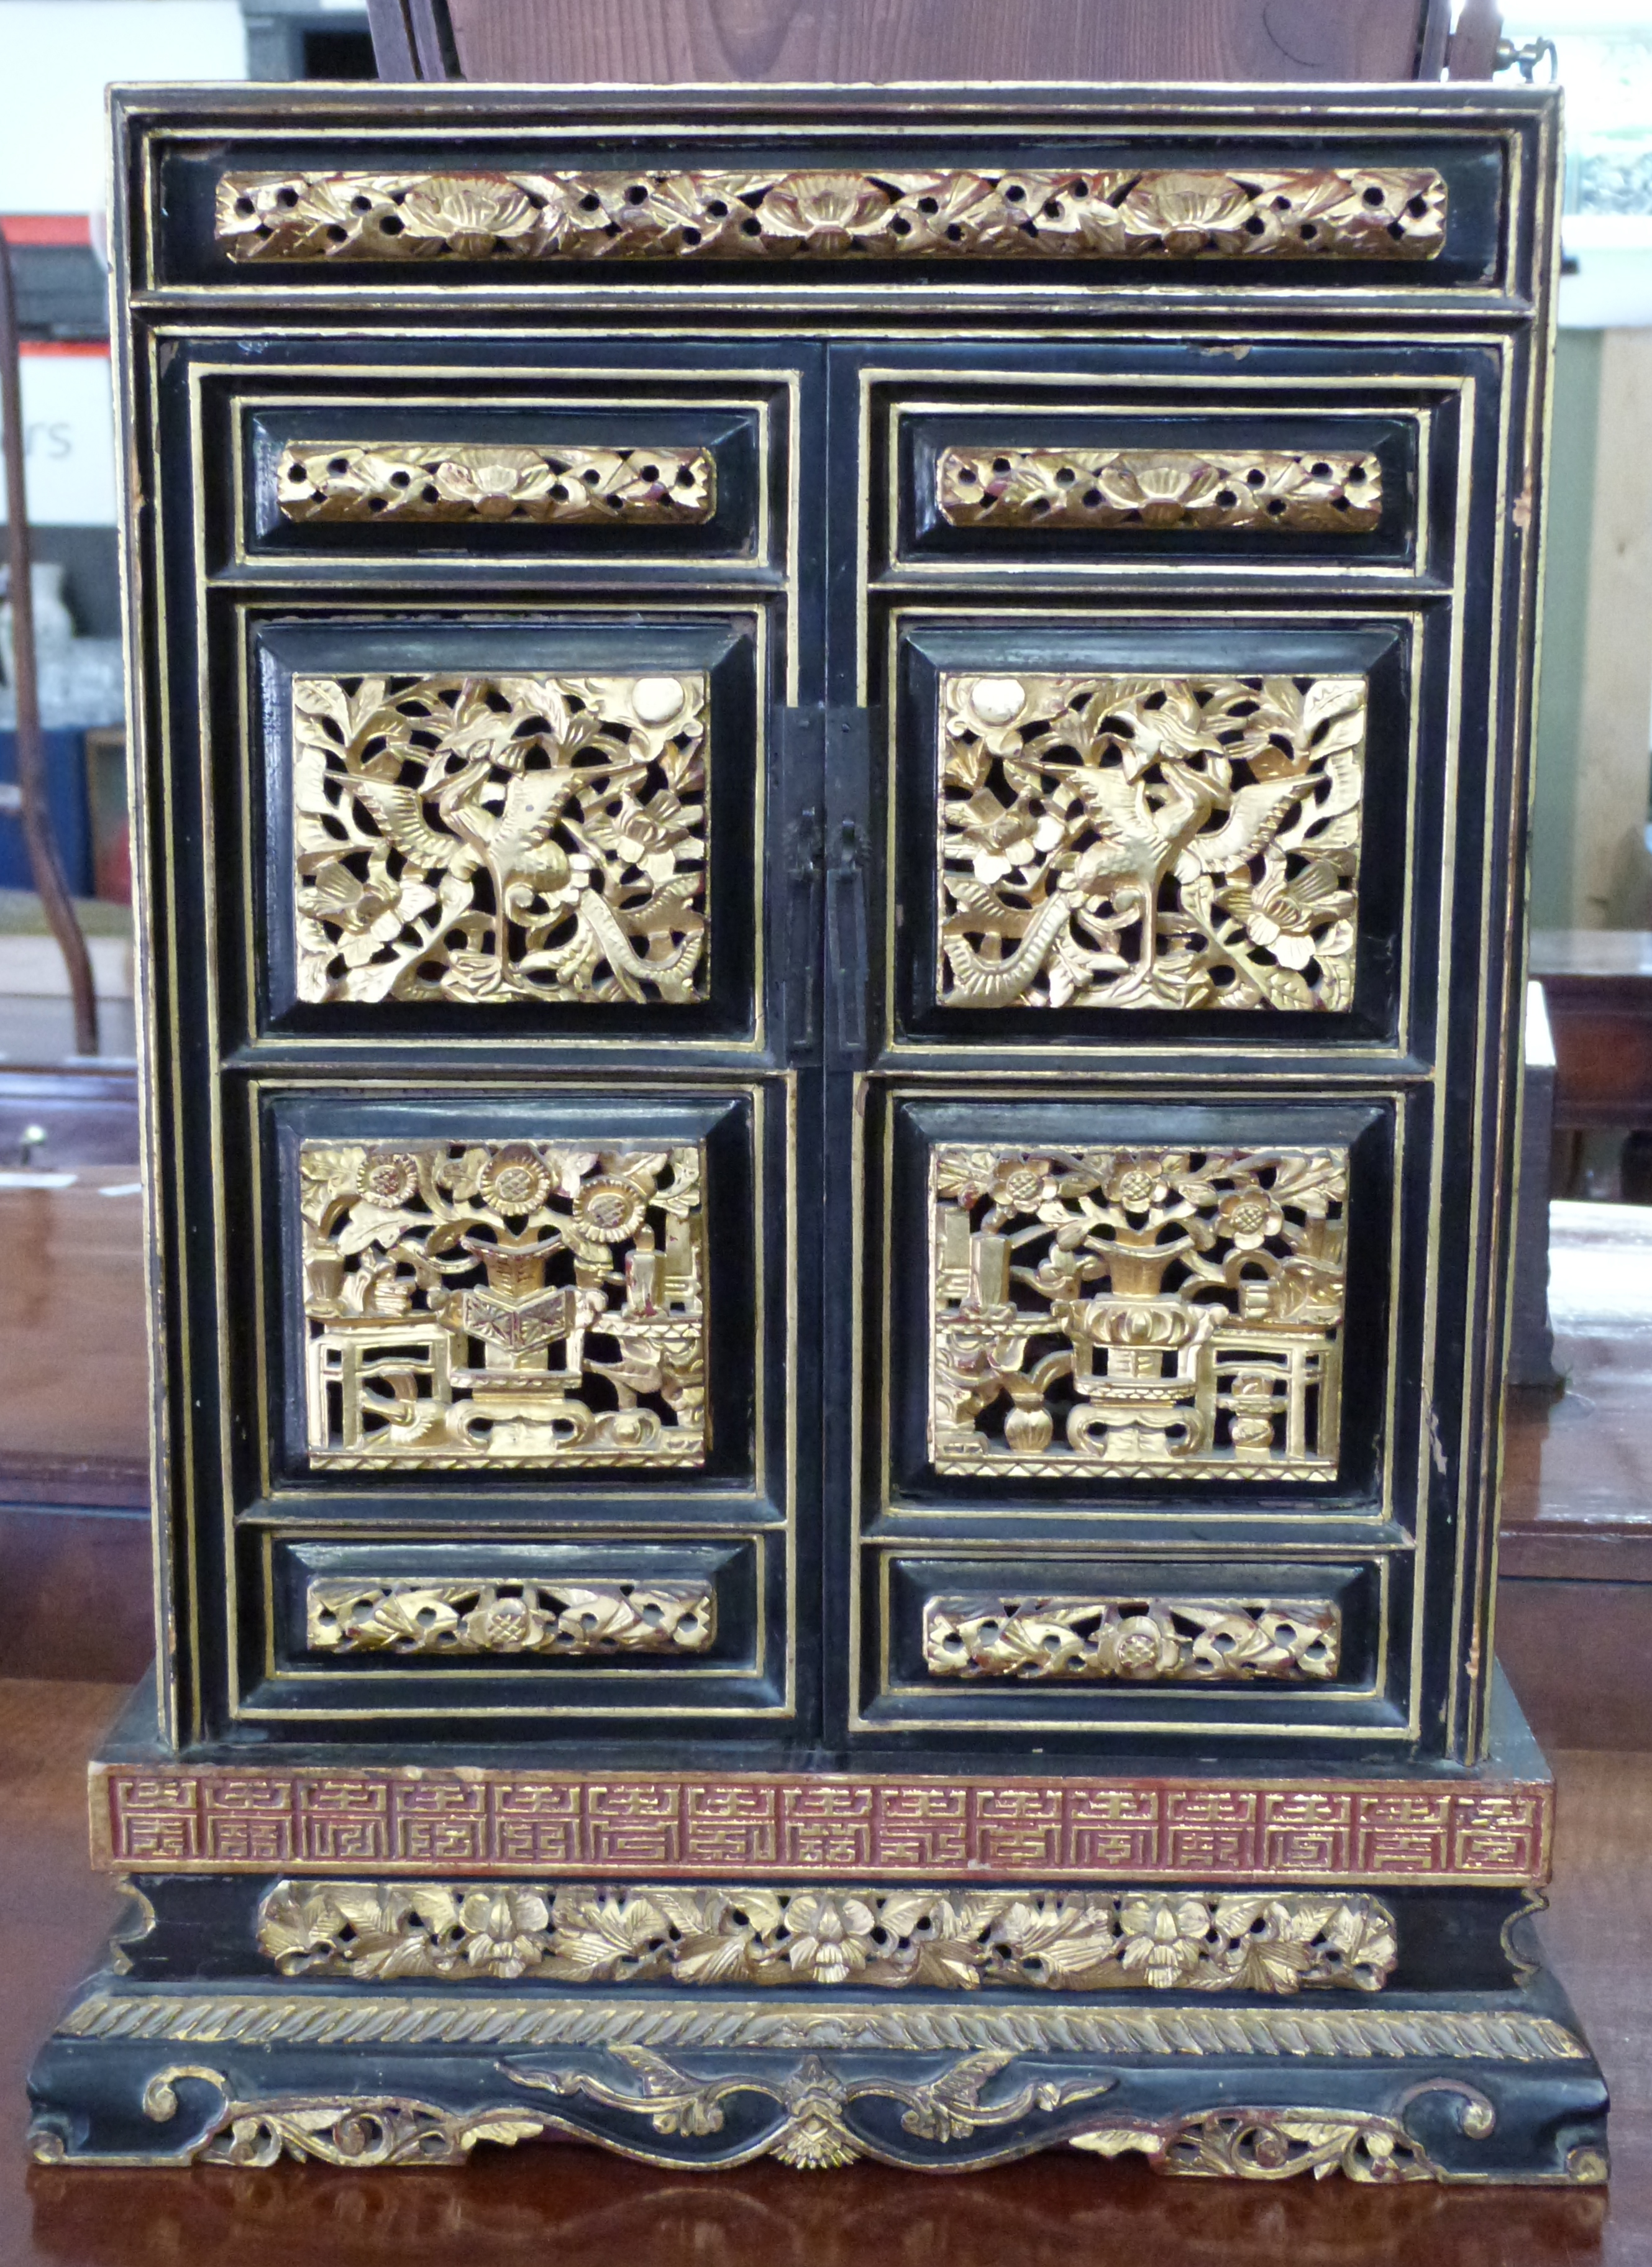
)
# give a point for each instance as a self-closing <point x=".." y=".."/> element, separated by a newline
<point x="832" y="796"/>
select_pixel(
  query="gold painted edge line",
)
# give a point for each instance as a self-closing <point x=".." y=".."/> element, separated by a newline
<point x="1534" y="453"/>
<point x="1484" y="1201"/>
<point x="149" y="1022"/>
<point x="1538" y="439"/>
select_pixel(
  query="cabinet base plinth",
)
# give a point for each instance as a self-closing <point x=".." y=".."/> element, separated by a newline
<point x="1472" y="2086"/>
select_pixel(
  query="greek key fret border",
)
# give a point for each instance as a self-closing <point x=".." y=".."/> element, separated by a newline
<point x="565" y="1826"/>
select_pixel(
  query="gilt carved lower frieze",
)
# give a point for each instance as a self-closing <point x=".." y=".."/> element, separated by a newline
<point x="1282" y="491"/>
<point x="502" y="1304"/>
<point x="496" y="839"/>
<point x="1381" y="213"/>
<point x="577" y="1618"/>
<point x="1137" y="1313"/>
<point x="959" y="1939"/>
<point x="452" y="482"/>
<point x="1139" y="1640"/>
<point x="1148" y="841"/>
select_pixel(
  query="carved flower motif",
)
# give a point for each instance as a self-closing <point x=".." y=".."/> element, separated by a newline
<point x="824" y="211"/>
<point x="830" y="1936"/>
<point x="1161" y="489"/>
<point x="514" y="1179"/>
<point x="472" y="212"/>
<point x="390" y="1177"/>
<point x="1139" y="1647"/>
<point x="488" y="484"/>
<point x="1185" y="210"/>
<point x="1136" y="1183"/>
<point x="1023" y="1184"/>
<point x="1163" y="1939"/>
<point x="505" y="1929"/>
<point x="1248" y="1217"/>
<point x="610" y="1210"/>
<point x="1286" y="917"/>
<point x="502" y="1626"/>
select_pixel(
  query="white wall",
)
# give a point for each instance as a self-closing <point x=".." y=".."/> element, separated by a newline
<point x="57" y="57"/>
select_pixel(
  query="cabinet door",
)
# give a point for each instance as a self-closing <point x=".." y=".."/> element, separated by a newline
<point x="1139" y="1243"/>
<point x="495" y="1145"/>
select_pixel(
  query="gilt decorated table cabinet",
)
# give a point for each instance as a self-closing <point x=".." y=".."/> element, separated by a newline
<point x="830" y="797"/>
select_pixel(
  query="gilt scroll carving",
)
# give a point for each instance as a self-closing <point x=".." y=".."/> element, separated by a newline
<point x="1320" y="213"/>
<point x="958" y="1939"/>
<point x="437" y="480"/>
<point x="499" y="839"/>
<point x="582" y="1616"/>
<point x="441" y="1277"/>
<point x="1180" y="842"/>
<point x="1277" y="489"/>
<point x="1141" y="1640"/>
<point x="1137" y="1313"/>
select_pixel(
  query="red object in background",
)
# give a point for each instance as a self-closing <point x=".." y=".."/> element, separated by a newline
<point x="45" y="228"/>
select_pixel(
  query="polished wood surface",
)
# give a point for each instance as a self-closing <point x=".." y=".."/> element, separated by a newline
<point x="679" y="42"/>
<point x="75" y="1394"/>
<point x="1598" y="986"/>
<point x="581" y="2208"/>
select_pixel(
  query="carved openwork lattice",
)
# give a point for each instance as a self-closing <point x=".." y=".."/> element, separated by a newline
<point x="501" y="838"/>
<point x="440" y="1276"/>
<point x="947" y="1940"/>
<point x="1181" y="842"/>
<point x="1137" y="1313"/>
<point x="1277" y="489"/>
<point x="584" y="1616"/>
<point x="1141" y="1640"/>
<point x="458" y="481"/>
<point x="1320" y="213"/>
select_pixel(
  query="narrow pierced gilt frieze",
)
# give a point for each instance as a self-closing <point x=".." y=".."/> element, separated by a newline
<point x="513" y="1303"/>
<point x="1140" y="1314"/>
<point x="1276" y="489"/>
<point x="497" y="839"/>
<point x="1179" y="842"/>
<point x="1139" y="1640"/>
<point x="1320" y="213"/>
<point x="956" y="1940"/>
<point x="584" y="1617"/>
<point x="434" y="481"/>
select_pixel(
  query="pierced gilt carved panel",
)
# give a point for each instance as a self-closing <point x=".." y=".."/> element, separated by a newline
<point x="501" y="838"/>
<point x="1276" y="489"/>
<point x="1170" y="842"/>
<point x="1143" y="1640"/>
<point x="961" y="1940"/>
<point x="464" y="482"/>
<point x="580" y="1618"/>
<point x="1143" y="1314"/>
<point x="504" y="1303"/>
<point x="1325" y="212"/>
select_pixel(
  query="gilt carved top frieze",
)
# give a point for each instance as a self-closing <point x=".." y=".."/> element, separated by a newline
<point x="501" y="838"/>
<point x="1137" y="841"/>
<point x="1283" y="491"/>
<point x="1143" y="1313"/>
<point x="1134" y="1640"/>
<point x="1380" y="213"/>
<point x="502" y="1304"/>
<point x="457" y="482"/>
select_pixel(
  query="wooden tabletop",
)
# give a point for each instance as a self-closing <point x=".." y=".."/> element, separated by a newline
<point x="559" y="2206"/>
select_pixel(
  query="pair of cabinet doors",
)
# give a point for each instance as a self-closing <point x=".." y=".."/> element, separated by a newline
<point x="838" y="1066"/>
